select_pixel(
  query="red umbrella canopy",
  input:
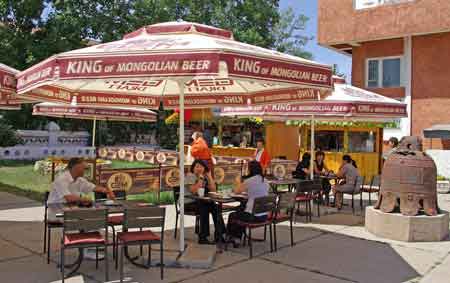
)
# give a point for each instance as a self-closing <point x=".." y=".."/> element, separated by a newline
<point x="158" y="62"/>
<point x="8" y="100"/>
<point x="346" y="102"/>
<point x="99" y="113"/>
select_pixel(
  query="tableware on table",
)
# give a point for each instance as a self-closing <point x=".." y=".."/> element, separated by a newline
<point x="201" y="192"/>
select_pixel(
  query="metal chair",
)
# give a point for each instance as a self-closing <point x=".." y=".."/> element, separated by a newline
<point x="374" y="187"/>
<point x="48" y="226"/>
<point x="176" y="196"/>
<point x="261" y="205"/>
<point x="115" y="219"/>
<point x="284" y="211"/>
<point x="307" y="191"/>
<point x="359" y="182"/>
<point x="81" y="229"/>
<point x="144" y="219"/>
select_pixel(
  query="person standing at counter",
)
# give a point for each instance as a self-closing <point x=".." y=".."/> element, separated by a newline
<point x="261" y="155"/>
<point x="201" y="151"/>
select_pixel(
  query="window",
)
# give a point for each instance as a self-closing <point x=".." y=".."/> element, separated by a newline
<point x="364" y="4"/>
<point x="384" y="72"/>
<point x="362" y="141"/>
<point x="328" y="140"/>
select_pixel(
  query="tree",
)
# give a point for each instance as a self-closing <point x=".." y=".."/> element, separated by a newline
<point x="33" y="30"/>
<point x="288" y="34"/>
<point x="336" y="72"/>
<point x="8" y="136"/>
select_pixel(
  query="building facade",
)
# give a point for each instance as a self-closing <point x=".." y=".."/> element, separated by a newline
<point x="400" y="49"/>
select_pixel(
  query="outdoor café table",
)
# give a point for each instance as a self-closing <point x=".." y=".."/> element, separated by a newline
<point x="119" y="206"/>
<point x="220" y="201"/>
<point x="291" y="183"/>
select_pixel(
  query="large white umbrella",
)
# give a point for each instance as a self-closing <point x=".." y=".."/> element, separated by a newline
<point x="94" y="113"/>
<point x="345" y="103"/>
<point x="180" y="64"/>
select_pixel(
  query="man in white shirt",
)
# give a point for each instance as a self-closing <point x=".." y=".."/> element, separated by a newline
<point x="68" y="187"/>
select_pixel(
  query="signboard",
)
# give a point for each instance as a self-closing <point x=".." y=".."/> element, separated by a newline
<point x="133" y="181"/>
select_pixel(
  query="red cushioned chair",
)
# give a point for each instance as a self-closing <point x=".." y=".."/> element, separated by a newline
<point x="374" y="187"/>
<point x="359" y="183"/>
<point x="81" y="229"/>
<point x="284" y="211"/>
<point x="144" y="219"/>
<point x="307" y="191"/>
<point x="113" y="219"/>
<point x="48" y="226"/>
<point x="261" y="205"/>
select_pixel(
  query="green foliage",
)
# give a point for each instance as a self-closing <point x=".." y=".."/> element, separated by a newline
<point x="288" y="37"/>
<point x="8" y="136"/>
<point x="33" y="30"/>
<point x="299" y="123"/>
<point x="441" y="178"/>
<point x="118" y="164"/>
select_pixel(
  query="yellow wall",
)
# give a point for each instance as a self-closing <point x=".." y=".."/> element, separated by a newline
<point x="368" y="163"/>
<point x="282" y="140"/>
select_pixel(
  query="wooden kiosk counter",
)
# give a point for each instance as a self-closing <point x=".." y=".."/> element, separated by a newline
<point x="233" y="151"/>
<point x="363" y="142"/>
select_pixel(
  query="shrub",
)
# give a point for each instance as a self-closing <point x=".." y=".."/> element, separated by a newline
<point x="8" y="136"/>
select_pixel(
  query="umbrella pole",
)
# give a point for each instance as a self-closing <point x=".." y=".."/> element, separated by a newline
<point x="312" y="147"/>
<point x="203" y="119"/>
<point x="181" y="158"/>
<point x="94" y="126"/>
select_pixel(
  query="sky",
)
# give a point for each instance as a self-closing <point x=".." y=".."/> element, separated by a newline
<point x="321" y="54"/>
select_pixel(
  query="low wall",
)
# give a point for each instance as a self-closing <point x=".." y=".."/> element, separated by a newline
<point x="40" y="152"/>
<point x="441" y="158"/>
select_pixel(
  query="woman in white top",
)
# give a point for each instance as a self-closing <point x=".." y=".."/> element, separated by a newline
<point x="255" y="186"/>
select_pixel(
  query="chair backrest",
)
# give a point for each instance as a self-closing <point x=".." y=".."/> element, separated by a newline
<point x="85" y="220"/>
<point x="265" y="204"/>
<point x="144" y="217"/>
<point x="286" y="202"/>
<point x="176" y="197"/>
<point x="119" y="194"/>
<point x="359" y="182"/>
<point x="376" y="182"/>
<point x="308" y="186"/>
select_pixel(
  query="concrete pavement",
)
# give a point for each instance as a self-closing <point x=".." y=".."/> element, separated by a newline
<point x="334" y="248"/>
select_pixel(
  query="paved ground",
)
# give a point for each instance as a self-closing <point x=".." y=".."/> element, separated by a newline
<point x="334" y="248"/>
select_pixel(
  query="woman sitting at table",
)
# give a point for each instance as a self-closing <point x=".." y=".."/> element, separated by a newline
<point x="204" y="181"/>
<point x="303" y="167"/>
<point x="348" y="173"/>
<point x="255" y="186"/>
<point x="321" y="169"/>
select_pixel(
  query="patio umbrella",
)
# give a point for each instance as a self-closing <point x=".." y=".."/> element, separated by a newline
<point x="94" y="113"/>
<point x="8" y="100"/>
<point x="346" y="103"/>
<point x="180" y="64"/>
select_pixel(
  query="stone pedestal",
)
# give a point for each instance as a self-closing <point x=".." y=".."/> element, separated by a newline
<point x="399" y="227"/>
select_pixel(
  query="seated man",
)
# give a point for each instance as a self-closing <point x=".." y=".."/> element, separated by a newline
<point x="68" y="186"/>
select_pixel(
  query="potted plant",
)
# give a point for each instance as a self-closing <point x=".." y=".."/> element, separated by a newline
<point x="442" y="185"/>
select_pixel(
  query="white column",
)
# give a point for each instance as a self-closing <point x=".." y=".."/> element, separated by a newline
<point x="313" y="146"/>
<point x="407" y="81"/>
<point x="181" y="158"/>
<point x="94" y="128"/>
